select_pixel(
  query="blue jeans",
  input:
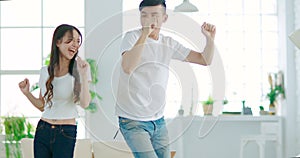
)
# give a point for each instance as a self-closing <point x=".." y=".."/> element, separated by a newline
<point x="54" y="141"/>
<point x="146" y="139"/>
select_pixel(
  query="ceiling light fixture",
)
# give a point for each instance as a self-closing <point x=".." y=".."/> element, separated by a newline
<point x="186" y="6"/>
<point x="295" y="37"/>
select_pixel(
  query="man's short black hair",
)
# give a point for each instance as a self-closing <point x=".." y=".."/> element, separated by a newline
<point x="147" y="3"/>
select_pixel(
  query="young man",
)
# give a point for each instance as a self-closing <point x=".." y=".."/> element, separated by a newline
<point x="146" y="55"/>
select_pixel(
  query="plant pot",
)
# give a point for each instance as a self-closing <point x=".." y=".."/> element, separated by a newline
<point x="207" y="109"/>
<point x="272" y="108"/>
<point x="262" y="112"/>
<point x="180" y="112"/>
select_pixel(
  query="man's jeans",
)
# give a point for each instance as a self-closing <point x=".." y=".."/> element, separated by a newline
<point x="54" y="141"/>
<point x="146" y="139"/>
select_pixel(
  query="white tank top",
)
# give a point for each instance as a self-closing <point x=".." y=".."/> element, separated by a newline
<point x="63" y="106"/>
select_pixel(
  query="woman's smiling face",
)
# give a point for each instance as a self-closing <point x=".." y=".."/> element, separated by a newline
<point x="69" y="44"/>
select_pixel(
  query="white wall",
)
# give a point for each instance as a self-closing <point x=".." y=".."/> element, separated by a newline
<point x="297" y="61"/>
<point x="289" y="106"/>
<point x="103" y="33"/>
<point x="291" y="57"/>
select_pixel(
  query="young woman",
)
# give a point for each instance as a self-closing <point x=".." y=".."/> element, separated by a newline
<point x="63" y="85"/>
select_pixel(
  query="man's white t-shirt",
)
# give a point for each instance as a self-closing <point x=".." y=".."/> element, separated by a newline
<point x="142" y="94"/>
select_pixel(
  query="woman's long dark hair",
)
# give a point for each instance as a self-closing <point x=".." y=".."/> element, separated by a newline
<point x="58" y="34"/>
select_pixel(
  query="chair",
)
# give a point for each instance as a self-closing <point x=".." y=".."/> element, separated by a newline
<point x="27" y="147"/>
<point x="111" y="149"/>
<point x="83" y="148"/>
<point x="270" y="131"/>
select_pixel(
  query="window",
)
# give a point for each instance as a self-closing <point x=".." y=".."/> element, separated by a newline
<point x="26" y="29"/>
<point x="247" y="40"/>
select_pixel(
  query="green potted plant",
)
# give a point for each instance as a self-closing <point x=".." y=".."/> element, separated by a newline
<point x="276" y="89"/>
<point x="208" y="105"/>
<point x="262" y="111"/>
<point x="274" y="93"/>
<point x="15" y="129"/>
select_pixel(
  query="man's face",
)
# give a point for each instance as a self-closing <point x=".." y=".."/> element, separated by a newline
<point x="153" y="16"/>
